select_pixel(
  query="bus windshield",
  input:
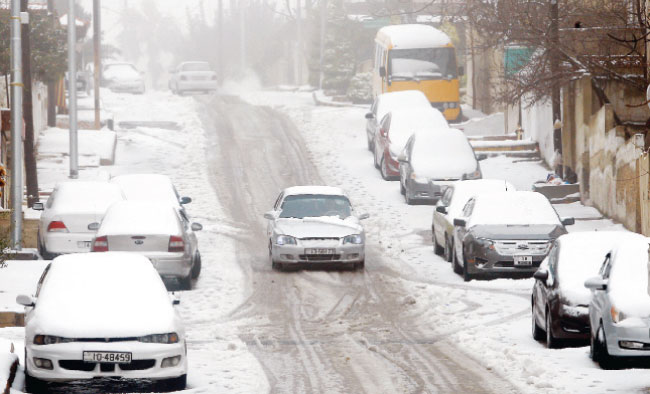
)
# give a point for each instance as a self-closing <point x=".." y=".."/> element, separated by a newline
<point x="422" y="63"/>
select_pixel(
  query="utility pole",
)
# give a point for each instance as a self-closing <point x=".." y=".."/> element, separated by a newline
<point x="72" y="89"/>
<point x="555" y="90"/>
<point x="220" y="44"/>
<point x="298" y="73"/>
<point x="97" y="39"/>
<point x="321" y="61"/>
<point x="16" y="129"/>
<point x="29" y="154"/>
<point x="242" y="37"/>
<point x="51" y="85"/>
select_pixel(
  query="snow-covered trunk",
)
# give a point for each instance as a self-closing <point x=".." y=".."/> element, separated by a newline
<point x="139" y="243"/>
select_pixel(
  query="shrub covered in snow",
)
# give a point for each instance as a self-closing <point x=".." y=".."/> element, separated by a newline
<point x="360" y="88"/>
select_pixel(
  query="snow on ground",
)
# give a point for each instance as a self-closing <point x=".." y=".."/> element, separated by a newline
<point x="488" y="320"/>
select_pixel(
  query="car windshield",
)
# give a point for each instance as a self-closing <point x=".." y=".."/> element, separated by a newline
<point x="423" y="63"/>
<point x="196" y="67"/>
<point x="302" y="206"/>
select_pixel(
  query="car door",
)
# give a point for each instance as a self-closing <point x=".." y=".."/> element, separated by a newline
<point x="440" y="219"/>
<point x="405" y="167"/>
<point x="599" y="301"/>
<point x="543" y="289"/>
<point x="371" y="123"/>
<point x="189" y="233"/>
<point x="270" y="227"/>
<point x="461" y="232"/>
<point x="381" y="138"/>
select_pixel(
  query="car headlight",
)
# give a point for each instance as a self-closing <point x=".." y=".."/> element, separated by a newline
<point x="617" y="315"/>
<point x="285" y="240"/>
<point x="485" y="243"/>
<point x="472" y="175"/>
<point x="171" y="337"/>
<point x="353" y="239"/>
<point x="49" y="340"/>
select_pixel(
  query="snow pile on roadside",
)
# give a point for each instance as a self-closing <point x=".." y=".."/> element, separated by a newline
<point x="100" y="143"/>
<point x="7" y="359"/>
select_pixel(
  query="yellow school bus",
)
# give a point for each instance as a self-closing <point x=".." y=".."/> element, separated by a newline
<point x="418" y="57"/>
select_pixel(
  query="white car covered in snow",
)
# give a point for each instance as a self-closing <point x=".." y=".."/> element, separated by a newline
<point x="193" y="76"/>
<point x="149" y="187"/>
<point x="158" y="231"/>
<point x="315" y="225"/>
<point x="102" y="315"/>
<point x="71" y="215"/>
<point x="619" y="311"/>
<point x="123" y="77"/>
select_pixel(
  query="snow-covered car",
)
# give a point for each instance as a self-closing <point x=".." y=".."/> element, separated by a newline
<point x="619" y="311"/>
<point x="560" y="302"/>
<point x="430" y="162"/>
<point x="315" y="225"/>
<point x="505" y="234"/>
<point x="102" y="315"/>
<point x="149" y="187"/>
<point x="123" y="77"/>
<point x="451" y="204"/>
<point x="394" y="131"/>
<point x="193" y="76"/>
<point x="158" y="231"/>
<point x="386" y="102"/>
<point x="71" y="215"/>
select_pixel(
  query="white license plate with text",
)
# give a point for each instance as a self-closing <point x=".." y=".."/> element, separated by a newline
<point x="319" y="251"/>
<point x="523" y="261"/>
<point x="108" y="357"/>
<point x="83" y="244"/>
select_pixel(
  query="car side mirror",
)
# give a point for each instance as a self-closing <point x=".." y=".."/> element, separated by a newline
<point x="568" y="221"/>
<point x="25" y="300"/>
<point x="402" y="158"/>
<point x="38" y="206"/>
<point x="185" y="200"/>
<point x="364" y="216"/>
<point x="461" y="70"/>
<point x="460" y="222"/>
<point x="481" y="156"/>
<point x="382" y="71"/>
<point x="197" y="226"/>
<point x="441" y="209"/>
<point x="93" y="226"/>
<point x="596" y="283"/>
<point x="541" y="275"/>
<point x="270" y="215"/>
<point x="370" y="115"/>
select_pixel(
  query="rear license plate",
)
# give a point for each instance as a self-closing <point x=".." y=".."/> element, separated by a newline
<point x="108" y="357"/>
<point x="83" y="244"/>
<point x="523" y="261"/>
<point x="319" y="251"/>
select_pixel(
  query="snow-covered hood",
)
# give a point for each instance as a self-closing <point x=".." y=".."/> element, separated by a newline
<point x="317" y="227"/>
<point x="532" y="232"/>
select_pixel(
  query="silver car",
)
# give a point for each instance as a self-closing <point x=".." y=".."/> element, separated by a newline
<point x="123" y="77"/>
<point x="159" y="231"/>
<point x="193" y="76"/>
<point x="315" y="225"/>
<point x="619" y="311"/>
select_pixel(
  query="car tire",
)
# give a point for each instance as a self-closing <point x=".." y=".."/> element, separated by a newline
<point x="402" y="189"/>
<point x="172" y="385"/>
<point x="605" y="361"/>
<point x="448" y="250"/>
<point x="407" y="197"/>
<point x="466" y="275"/>
<point x="551" y="341"/>
<point x="538" y="333"/>
<point x="374" y="158"/>
<point x="360" y="265"/>
<point x="437" y="249"/>
<point x="196" y="267"/>
<point x="32" y="384"/>
<point x="276" y="266"/>
<point x="186" y="282"/>
<point x="371" y="146"/>
<point x="593" y="347"/>
<point x="457" y="268"/>
<point x="383" y="169"/>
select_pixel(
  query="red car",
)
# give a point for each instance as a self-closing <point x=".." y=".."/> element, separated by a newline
<point x="394" y="131"/>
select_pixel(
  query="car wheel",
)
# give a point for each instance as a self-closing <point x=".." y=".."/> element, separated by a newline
<point x="437" y="249"/>
<point x="604" y="359"/>
<point x="196" y="267"/>
<point x="383" y="169"/>
<point x="407" y="196"/>
<point x="276" y="266"/>
<point x="360" y="265"/>
<point x="171" y="385"/>
<point x="551" y="341"/>
<point x="466" y="275"/>
<point x="593" y="347"/>
<point x="402" y="189"/>
<point x="374" y="157"/>
<point x="448" y="250"/>
<point x="538" y="333"/>
<point x="371" y="146"/>
<point x="454" y="258"/>
<point x="32" y="384"/>
<point x="186" y="282"/>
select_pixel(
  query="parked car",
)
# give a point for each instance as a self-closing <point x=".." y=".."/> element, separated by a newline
<point x="192" y="76"/>
<point x="159" y="231"/>
<point x="450" y="206"/>
<point x="71" y="215"/>
<point x="384" y="103"/>
<point x="430" y="162"/>
<point x="315" y="225"/>
<point x="150" y="187"/>
<point x="560" y="302"/>
<point x="619" y="311"/>
<point x="102" y="315"/>
<point x="394" y="131"/>
<point x="505" y="234"/>
<point x="123" y="77"/>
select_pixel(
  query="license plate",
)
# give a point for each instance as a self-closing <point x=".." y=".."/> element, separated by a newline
<point x="523" y="261"/>
<point x="108" y="357"/>
<point x="83" y="244"/>
<point x="319" y="251"/>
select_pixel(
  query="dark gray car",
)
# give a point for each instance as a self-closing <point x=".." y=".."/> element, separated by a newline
<point x="505" y="234"/>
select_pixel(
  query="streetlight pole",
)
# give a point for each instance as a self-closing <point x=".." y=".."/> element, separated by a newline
<point x="97" y="39"/>
<point x="16" y="129"/>
<point x="72" y="89"/>
<point x="323" y="21"/>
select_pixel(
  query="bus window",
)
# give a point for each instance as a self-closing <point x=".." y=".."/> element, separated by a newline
<point x="423" y="63"/>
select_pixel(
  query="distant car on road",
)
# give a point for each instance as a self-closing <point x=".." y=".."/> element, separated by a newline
<point x="315" y="225"/>
<point x="159" y="231"/>
<point x="505" y="234"/>
<point x="430" y="162"/>
<point x="619" y="311"/>
<point x="123" y="77"/>
<point x="384" y="103"/>
<point x="150" y="187"/>
<point x="72" y="214"/>
<point x="102" y="315"/>
<point x="560" y="302"/>
<point x="193" y="76"/>
<point x="450" y="206"/>
<point x="394" y="131"/>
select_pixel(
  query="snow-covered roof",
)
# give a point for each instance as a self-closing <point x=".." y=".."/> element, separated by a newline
<point x="112" y="294"/>
<point x="391" y="101"/>
<point x="406" y="121"/>
<point x="85" y="196"/>
<point x="628" y="278"/>
<point x="445" y="154"/>
<point x="140" y="218"/>
<point x="513" y="208"/>
<point x="413" y="36"/>
<point x="581" y="255"/>
<point x="324" y="190"/>
<point x="147" y="187"/>
<point x="464" y="190"/>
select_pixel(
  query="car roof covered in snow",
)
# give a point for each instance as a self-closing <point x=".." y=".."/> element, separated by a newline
<point x="409" y="36"/>
<point x="147" y="187"/>
<point x="110" y="294"/>
<point x="581" y="254"/>
<point x="445" y="154"/>
<point x="464" y="190"/>
<point x="138" y="217"/>
<point x="513" y="208"/>
<point x="392" y="101"/>
<point x="313" y="190"/>
<point x="406" y="121"/>
<point x="85" y="196"/>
